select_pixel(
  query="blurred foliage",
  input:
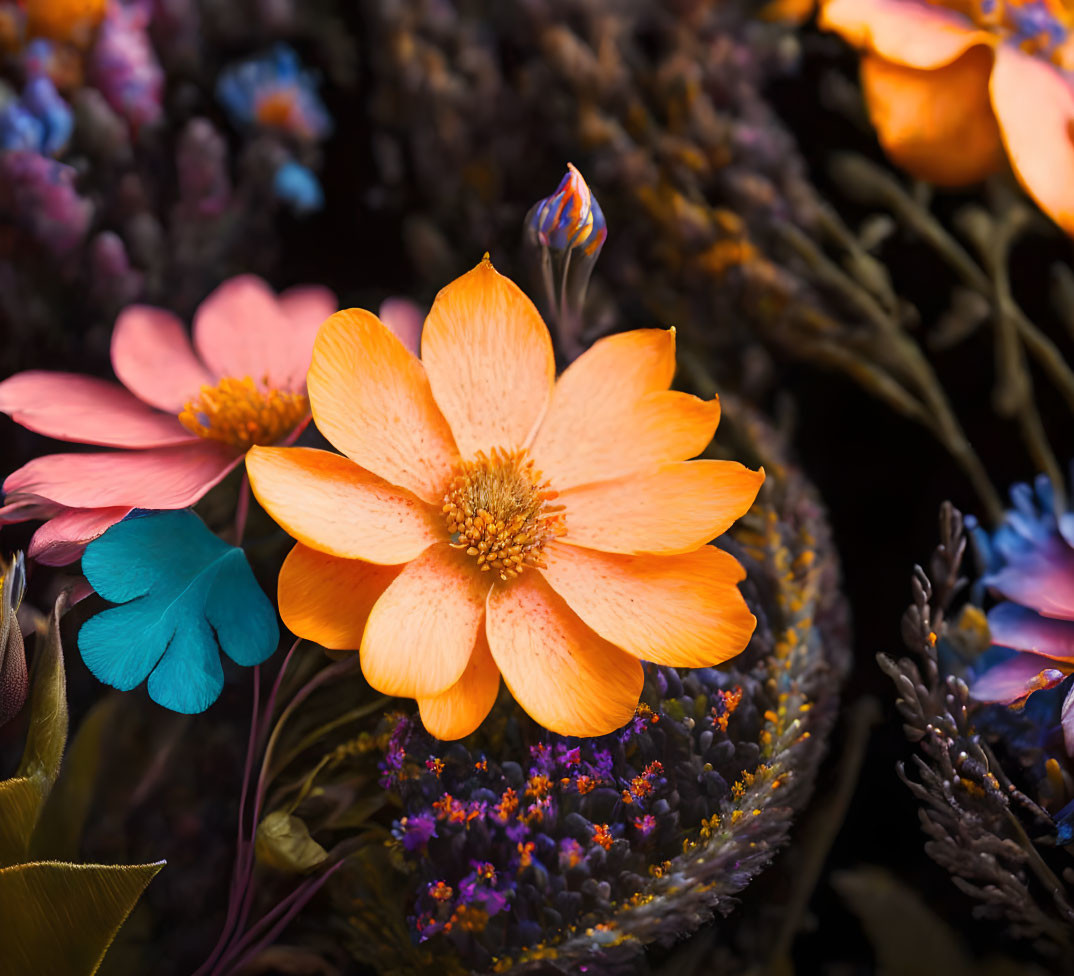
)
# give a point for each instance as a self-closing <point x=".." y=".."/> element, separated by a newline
<point x="60" y="917"/>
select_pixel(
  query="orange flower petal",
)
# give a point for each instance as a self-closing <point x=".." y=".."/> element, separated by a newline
<point x="1035" y="107"/>
<point x="458" y="711"/>
<point x="370" y="397"/>
<point x="326" y="599"/>
<point x="673" y="508"/>
<point x="904" y="32"/>
<point x="330" y="504"/>
<point x="684" y="611"/>
<point x="937" y="125"/>
<point x="612" y="415"/>
<point x="421" y="633"/>
<point x="489" y="359"/>
<point x="566" y="677"/>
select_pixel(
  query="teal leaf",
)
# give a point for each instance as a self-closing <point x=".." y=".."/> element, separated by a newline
<point x="185" y="596"/>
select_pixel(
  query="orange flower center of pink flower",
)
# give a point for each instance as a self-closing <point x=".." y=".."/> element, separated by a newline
<point x="497" y="509"/>
<point x="239" y="413"/>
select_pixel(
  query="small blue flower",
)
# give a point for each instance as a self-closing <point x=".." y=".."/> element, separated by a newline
<point x="39" y="121"/>
<point x="273" y="91"/>
<point x="185" y="596"/>
<point x="297" y="186"/>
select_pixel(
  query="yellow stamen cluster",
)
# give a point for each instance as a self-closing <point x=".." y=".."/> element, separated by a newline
<point x="497" y="509"/>
<point x="239" y="413"/>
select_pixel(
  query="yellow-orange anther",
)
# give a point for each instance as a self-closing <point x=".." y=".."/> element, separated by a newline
<point x="497" y="510"/>
<point x="239" y="413"/>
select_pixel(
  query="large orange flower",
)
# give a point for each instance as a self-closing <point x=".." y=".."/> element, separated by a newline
<point x="950" y="85"/>
<point x="485" y="520"/>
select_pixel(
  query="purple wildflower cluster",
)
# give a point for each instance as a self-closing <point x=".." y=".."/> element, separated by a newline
<point x="505" y="854"/>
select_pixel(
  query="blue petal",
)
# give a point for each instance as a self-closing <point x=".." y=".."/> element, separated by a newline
<point x="186" y="596"/>
<point x="122" y="645"/>
<point x="240" y="613"/>
<point x="189" y="677"/>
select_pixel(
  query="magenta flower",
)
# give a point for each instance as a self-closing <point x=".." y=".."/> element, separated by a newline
<point x="183" y="418"/>
<point x="1030" y="560"/>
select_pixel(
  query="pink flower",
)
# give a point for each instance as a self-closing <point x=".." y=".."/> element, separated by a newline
<point x="183" y="418"/>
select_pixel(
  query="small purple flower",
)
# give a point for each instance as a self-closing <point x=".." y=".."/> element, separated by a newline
<point x="416" y="831"/>
<point x="124" y="65"/>
<point x="39" y="193"/>
<point x="273" y="91"/>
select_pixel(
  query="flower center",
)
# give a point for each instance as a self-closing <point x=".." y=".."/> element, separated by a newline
<point x="237" y="412"/>
<point x="276" y="107"/>
<point x="497" y="509"/>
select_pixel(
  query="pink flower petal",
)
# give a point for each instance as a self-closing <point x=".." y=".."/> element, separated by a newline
<point x="1042" y="580"/>
<point x="153" y="358"/>
<point x="164" y="477"/>
<point x="242" y="330"/>
<point x="87" y="410"/>
<point x="1012" y="625"/>
<point x="22" y="507"/>
<point x="1015" y="679"/>
<point x="62" y="539"/>
<point x="405" y="318"/>
<point x="306" y="307"/>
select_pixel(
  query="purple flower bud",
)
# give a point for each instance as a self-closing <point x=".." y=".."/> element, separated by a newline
<point x="125" y="67"/>
<point x="40" y="193"/>
<point x="202" y="164"/>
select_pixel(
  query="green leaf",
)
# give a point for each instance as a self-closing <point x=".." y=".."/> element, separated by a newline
<point x="59" y="829"/>
<point x="283" y="842"/>
<point x="61" y="918"/>
<point x="47" y="734"/>
<point x="22" y="797"/>
<point x="20" y="804"/>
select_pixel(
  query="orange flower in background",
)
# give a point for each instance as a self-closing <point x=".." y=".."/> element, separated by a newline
<point x="954" y="86"/>
<point x="485" y="520"/>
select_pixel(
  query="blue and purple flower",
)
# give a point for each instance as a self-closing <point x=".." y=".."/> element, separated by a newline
<point x="274" y="91"/>
<point x="1030" y="563"/>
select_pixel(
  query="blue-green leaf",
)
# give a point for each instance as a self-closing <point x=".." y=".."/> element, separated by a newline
<point x="185" y="595"/>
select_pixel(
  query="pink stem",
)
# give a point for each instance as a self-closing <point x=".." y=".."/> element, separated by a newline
<point x="242" y="509"/>
<point x="240" y="845"/>
<point x="293" y="903"/>
<point x="320" y="678"/>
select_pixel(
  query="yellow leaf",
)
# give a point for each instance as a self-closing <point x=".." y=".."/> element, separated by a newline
<point x="283" y="842"/>
<point x="59" y="828"/>
<point x="20" y="803"/>
<point x="47" y="734"/>
<point x="61" y="918"/>
<point x="21" y="798"/>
